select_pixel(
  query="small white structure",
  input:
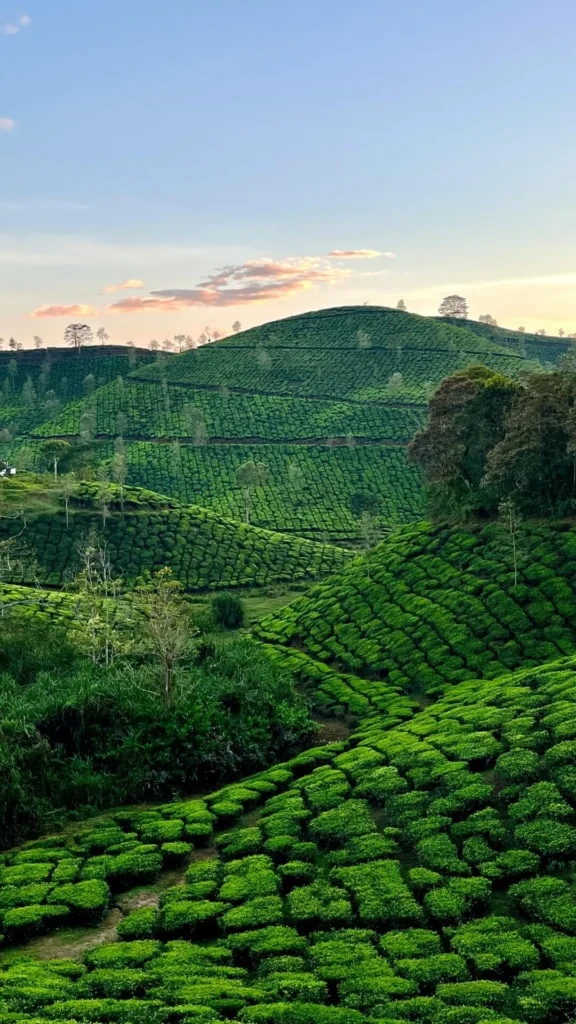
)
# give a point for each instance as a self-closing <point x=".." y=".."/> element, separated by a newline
<point x="7" y="470"/>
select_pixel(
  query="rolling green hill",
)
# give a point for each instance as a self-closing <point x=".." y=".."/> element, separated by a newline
<point x="146" y="531"/>
<point x="547" y="351"/>
<point x="327" y="400"/>
<point x="432" y="606"/>
<point x="417" y="873"/>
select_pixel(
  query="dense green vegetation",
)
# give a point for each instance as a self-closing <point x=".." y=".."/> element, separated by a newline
<point x="492" y="440"/>
<point x="328" y="401"/>
<point x="548" y="351"/>
<point x="143" y="531"/>
<point x="78" y="733"/>
<point x="420" y="873"/>
<point x="35" y="386"/>
<point x="145" y="411"/>
<point x="435" y="605"/>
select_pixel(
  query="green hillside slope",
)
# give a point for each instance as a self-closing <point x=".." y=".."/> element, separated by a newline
<point x="34" y="385"/>
<point x="202" y="549"/>
<point x="433" y="606"/>
<point x="547" y="351"/>
<point x="421" y="873"/>
<point x="326" y="400"/>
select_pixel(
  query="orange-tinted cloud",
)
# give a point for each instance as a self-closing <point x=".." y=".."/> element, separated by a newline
<point x="53" y="311"/>
<point x="133" y="282"/>
<point x="358" y="254"/>
<point x="247" y="283"/>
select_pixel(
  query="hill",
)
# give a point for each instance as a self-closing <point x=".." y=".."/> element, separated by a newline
<point x="327" y="400"/>
<point x="546" y="350"/>
<point x="429" y="607"/>
<point x="418" y="873"/>
<point x="146" y="531"/>
<point x="34" y="386"/>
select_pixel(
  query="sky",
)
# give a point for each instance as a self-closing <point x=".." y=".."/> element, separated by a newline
<point x="170" y="166"/>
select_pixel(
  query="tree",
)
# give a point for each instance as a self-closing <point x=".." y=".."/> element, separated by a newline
<point x="195" y="424"/>
<point x="296" y="479"/>
<point x="104" y="496"/>
<point x="363" y="340"/>
<point x="250" y="475"/>
<point x="510" y="521"/>
<point x="468" y="416"/>
<point x="119" y="468"/>
<point x="485" y="318"/>
<point x="540" y="332"/>
<point x="28" y="393"/>
<point x="53" y="452"/>
<point x="521" y="330"/>
<point x="179" y="341"/>
<point x="561" y="332"/>
<point x="169" y="631"/>
<point x="102" y="336"/>
<point x="68" y="485"/>
<point x="87" y="428"/>
<point x="401" y="305"/>
<point x="395" y="383"/>
<point x="369" y="532"/>
<point x="12" y="344"/>
<point x="51" y="405"/>
<point x="154" y="345"/>
<point x="77" y="335"/>
<point x="93" y="630"/>
<point x="263" y="359"/>
<point x="38" y="343"/>
<point x="236" y="327"/>
<point x="454" y="306"/>
<point x="1" y="344"/>
<point x="89" y="385"/>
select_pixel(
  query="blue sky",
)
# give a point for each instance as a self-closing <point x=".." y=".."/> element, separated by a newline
<point x="159" y="143"/>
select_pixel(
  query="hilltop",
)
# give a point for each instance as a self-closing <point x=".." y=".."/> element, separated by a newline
<point x="327" y="401"/>
<point x="145" y="531"/>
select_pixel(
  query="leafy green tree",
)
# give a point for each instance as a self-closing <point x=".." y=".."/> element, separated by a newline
<point x="67" y="487"/>
<point x="93" y="630"/>
<point x="250" y="475"/>
<point x="89" y="385"/>
<point x="55" y="451"/>
<point x="195" y="424"/>
<point x="468" y="415"/>
<point x="168" y="632"/>
<point x="401" y="305"/>
<point x="486" y="318"/>
<point x="395" y="384"/>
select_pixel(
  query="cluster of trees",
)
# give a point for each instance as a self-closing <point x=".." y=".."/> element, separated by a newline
<point x="80" y="335"/>
<point x="492" y="440"/>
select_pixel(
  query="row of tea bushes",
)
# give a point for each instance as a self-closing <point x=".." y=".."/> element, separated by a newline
<point x="316" y="506"/>
<point x="417" y="873"/>
<point x="146" y="532"/>
<point x="433" y="605"/>
<point x="151" y="411"/>
<point x="342" y="374"/>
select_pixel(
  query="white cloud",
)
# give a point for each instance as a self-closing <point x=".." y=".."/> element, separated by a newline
<point x="7" y="124"/>
<point x="25" y="20"/>
<point x="12" y="28"/>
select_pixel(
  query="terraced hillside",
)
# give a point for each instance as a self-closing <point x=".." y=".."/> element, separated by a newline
<point x="145" y="531"/>
<point x="327" y="401"/>
<point x="34" y="386"/>
<point x="547" y="351"/>
<point x="432" y="606"/>
<point x="417" y="873"/>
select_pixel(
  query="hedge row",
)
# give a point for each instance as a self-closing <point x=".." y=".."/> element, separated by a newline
<point x="150" y="411"/>
<point x="416" y="873"/>
<point x="149" y="533"/>
<point x="433" y="605"/>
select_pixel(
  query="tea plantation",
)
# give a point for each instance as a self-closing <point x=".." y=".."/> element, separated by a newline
<point x="144" y="531"/>
<point x="420" y="873"/>
<point x="35" y="385"/>
<point x="433" y="606"/>
<point x="328" y="401"/>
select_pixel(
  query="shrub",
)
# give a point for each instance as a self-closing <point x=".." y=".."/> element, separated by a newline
<point x="140" y="924"/>
<point x="197" y="919"/>
<point x="87" y="901"/>
<point x="335" y="827"/>
<point x="227" y="610"/>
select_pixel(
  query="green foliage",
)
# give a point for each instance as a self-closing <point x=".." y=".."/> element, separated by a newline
<point x="227" y="611"/>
